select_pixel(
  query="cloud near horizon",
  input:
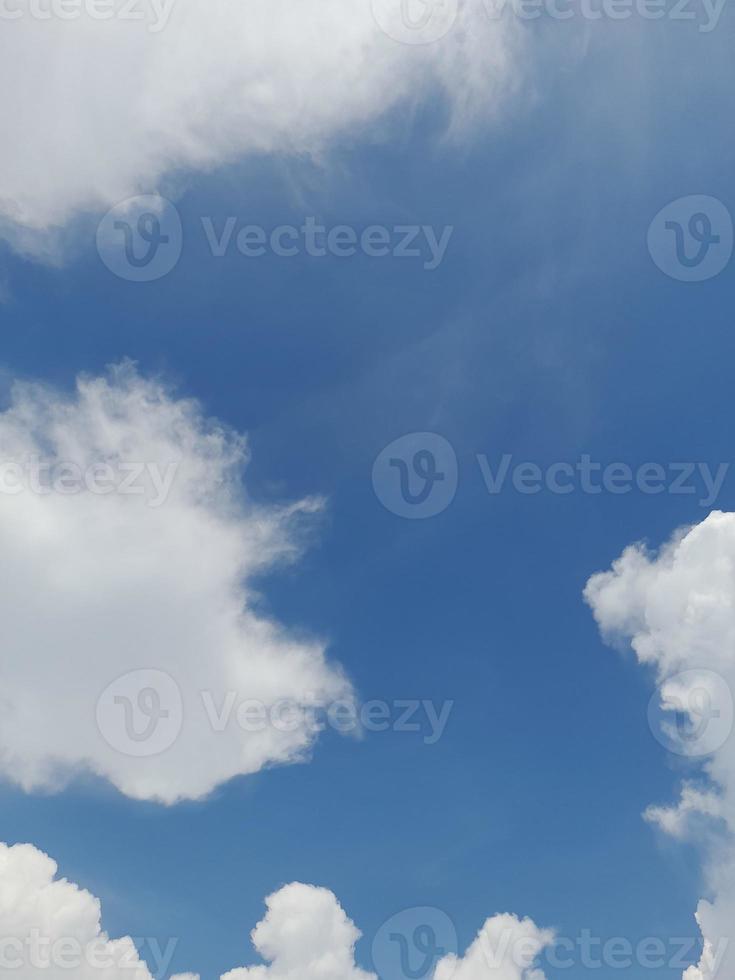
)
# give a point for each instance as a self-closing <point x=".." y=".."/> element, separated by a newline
<point x="51" y="928"/>
<point x="676" y="608"/>
<point x="194" y="85"/>
<point x="134" y="643"/>
<point x="305" y="935"/>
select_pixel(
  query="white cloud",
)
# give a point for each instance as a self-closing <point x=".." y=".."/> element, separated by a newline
<point x="506" y="948"/>
<point x="105" y="583"/>
<point x="109" y="107"/>
<point x="51" y="928"/>
<point x="676" y="820"/>
<point x="305" y="935"/>
<point x="677" y="609"/>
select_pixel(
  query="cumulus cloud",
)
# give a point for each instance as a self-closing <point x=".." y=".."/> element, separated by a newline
<point x="134" y="644"/>
<point x="111" y="106"/>
<point x="677" y="609"/>
<point x="306" y="935"/>
<point x="506" y="948"/>
<point x="49" y="927"/>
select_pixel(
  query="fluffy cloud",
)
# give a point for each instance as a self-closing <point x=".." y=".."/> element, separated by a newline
<point x="505" y="949"/>
<point x="306" y="935"/>
<point x="111" y="106"/>
<point x="133" y="647"/>
<point x="50" y="927"/>
<point x="677" y="609"/>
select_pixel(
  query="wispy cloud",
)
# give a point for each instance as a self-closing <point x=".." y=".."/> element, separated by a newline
<point x="189" y="86"/>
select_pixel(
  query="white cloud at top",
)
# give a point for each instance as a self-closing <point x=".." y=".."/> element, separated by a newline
<point x="677" y="609"/>
<point x="98" y="110"/>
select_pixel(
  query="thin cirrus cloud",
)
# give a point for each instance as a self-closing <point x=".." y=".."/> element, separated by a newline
<point x="50" y="926"/>
<point x="676" y="609"/>
<point x="154" y="586"/>
<point x="196" y="84"/>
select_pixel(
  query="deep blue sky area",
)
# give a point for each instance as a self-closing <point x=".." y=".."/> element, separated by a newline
<point x="548" y="332"/>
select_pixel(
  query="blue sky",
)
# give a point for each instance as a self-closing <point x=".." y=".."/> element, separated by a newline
<point x="547" y="332"/>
